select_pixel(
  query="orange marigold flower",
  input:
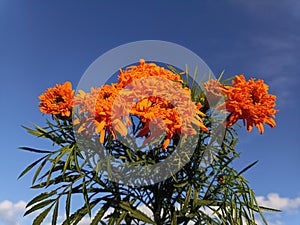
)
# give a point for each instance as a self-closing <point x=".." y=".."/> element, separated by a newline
<point x="144" y="69"/>
<point x="153" y="98"/>
<point x="96" y="108"/>
<point x="57" y="100"/>
<point x="251" y="102"/>
<point x="213" y="91"/>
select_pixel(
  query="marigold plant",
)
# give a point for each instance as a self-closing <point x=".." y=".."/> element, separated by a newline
<point x="141" y="121"/>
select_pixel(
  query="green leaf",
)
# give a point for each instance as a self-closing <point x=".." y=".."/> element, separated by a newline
<point x="174" y="219"/>
<point x="100" y="214"/>
<point x="64" y="150"/>
<point x="33" y="132"/>
<point x="34" y="150"/>
<point x="68" y="204"/>
<point x="79" y="214"/>
<point x="247" y="168"/>
<point x="40" y="218"/>
<point x="135" y="213"/>
<point x="68" y="160"/>
<point x="28" y="168"/>
<point x="221" y="75"/>
<point x="41" y="197"/>
<point x="269" y="209"/>
<point x="85" y="196"/>
<point x="207" y="203"/>
<point x="194" y="78"/>
<point x="55" y="214"/>
<point x="121" y="217"/>
<point x="180" y="185"/>
<point x="39" y="169"/>
<point x="39" y="206"/>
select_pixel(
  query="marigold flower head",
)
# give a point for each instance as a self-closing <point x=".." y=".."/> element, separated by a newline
<point x="167" y="101"/>
<point x="251" y="102"/>
<point x="97" y="109"/>
<point x="57" y="100"/>
<point x="213" y="91"/>
<point x="142" y="70"/>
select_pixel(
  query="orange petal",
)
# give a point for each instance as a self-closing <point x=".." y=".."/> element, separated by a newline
<point x="271" y="122"/>
<point x="68" y="113"/>
<point x="67" y="85"/>
<point x="165" y="144"/>
<point x="76" y="121"/>
<point x="260" y="127"/>
<point x="119" y="126"/>
<point x="102" y="136"/>
<point x="100" y="126"/>
<point x="81" y="128"/>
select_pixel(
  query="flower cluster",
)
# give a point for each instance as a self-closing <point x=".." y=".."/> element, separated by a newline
<point x="152" y="93"/>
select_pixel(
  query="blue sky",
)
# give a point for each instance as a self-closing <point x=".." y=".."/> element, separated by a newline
<point x="47" y="42"/>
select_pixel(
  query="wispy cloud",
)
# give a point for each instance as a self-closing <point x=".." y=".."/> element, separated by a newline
<point x="278" y="61"/>
<point x="289" y="8"/>
<point x="11" y="213"/>
<point x="273" y="50"/>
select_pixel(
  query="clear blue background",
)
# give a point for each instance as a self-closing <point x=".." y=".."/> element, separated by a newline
<point x="47" y="42"/>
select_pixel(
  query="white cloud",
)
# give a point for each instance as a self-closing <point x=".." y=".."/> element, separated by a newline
<point x="273" y="200"/>
<point x="11" y="213"/>
<point x="85" y="221"/>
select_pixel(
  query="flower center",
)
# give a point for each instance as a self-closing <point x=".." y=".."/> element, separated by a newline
<point x="106" y="95"/>
<point x="255" y="96"/>
<point x="59" y="99"/>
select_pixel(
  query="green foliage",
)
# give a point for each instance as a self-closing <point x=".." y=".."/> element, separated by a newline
<point x="217" y="194"/>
